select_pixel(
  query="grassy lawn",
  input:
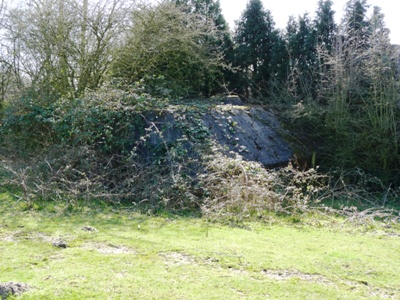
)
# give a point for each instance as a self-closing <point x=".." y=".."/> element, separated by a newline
<point x="134" y="256"/>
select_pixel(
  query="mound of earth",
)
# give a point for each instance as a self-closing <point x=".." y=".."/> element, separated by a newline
<point x="12" y="288"/>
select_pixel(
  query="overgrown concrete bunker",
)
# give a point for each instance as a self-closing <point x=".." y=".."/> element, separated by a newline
<point x="250" y="131"/>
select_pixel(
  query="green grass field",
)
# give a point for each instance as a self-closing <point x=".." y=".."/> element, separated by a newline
<point x="134" y="256"/>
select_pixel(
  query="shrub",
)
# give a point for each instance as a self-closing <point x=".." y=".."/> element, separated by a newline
<point x="237" y="190"/>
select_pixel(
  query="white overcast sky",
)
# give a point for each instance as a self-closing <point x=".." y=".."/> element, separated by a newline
<point x="282" y="9"/>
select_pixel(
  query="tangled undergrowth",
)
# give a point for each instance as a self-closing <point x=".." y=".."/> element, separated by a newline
<point x="239" y="190"/>
<point x="110" y="147"/>
<point x="225" y="189"/>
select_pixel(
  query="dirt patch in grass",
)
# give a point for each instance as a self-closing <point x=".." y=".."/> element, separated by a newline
<point x="23" y="235"/>
<point x="109" y="248"/>
<point x="394" y="234"/>
<point x="373" y="291"/>
<point x="34" y="236"/>
<point x="282" y="275"/>
<point x="177" y="258"/>
<point x="289" y="274"/>
<point x="384" y="293"/>
<point x="8" y="238"/>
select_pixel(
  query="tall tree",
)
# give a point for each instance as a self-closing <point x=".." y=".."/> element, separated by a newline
<point x="379" y="69"/>
<point x="361" y="110"/>
<point x="8" y="77"/>
<point x="65" y="46"/>
<point x="210" y="12"/>
<point x="255" y="37"/>
<point x="301" y="45"/>
<point x="325" y="25"/>
<point x="355" y="23"/>
<point x="169" y="49"/>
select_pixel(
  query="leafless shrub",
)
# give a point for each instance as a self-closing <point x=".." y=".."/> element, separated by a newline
<point x="81" y="174"/>
<point x="70" y="175"/>
<point x="238" y="189"/>
<point x="360" y="197"/>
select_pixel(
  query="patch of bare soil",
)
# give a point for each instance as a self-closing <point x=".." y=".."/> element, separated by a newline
<point x="23" y="235"/>
<point x="177" y="258"/>
<point x="384" y="293"/>
<point x="392" y="234"/>
<point x="8" y="238"/>
<point x="12" y="288"/>
<point x="109" y="248"/>
<point x="286" y="275"/>
<point x="34" y="236"/>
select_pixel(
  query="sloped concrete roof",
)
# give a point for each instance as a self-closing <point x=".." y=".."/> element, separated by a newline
<point x="252" y="132"/>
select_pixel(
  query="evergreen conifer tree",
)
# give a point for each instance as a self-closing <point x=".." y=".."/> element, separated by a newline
<point x="210" y="11"/>
<point x="325" y="25"/>
<point x="255" y="39"/>
<point x="301" y="45"/>
<point x="355" y="23"/>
